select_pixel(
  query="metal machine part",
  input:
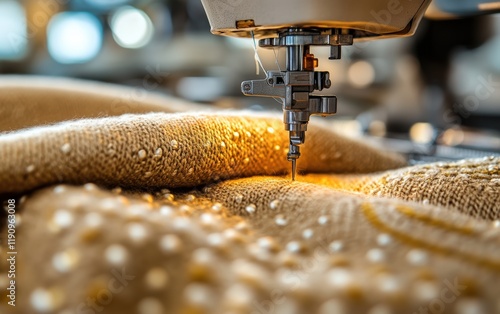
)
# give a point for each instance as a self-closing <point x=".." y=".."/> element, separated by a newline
<point x="363" y="18"/>
<point x="296" y="25"/>
<point x="296" y="84"/>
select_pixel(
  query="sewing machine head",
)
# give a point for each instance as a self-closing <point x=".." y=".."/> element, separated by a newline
<point x="296" y="25"/>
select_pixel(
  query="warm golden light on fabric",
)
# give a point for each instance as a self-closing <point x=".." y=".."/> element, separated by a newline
<point x="196" y="212"/>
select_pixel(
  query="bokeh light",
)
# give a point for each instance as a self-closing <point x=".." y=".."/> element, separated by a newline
<point x="74" y="37"/>
<point x="361" y="74"/>
<point x="422" y="133"/>
<point x="13" y="35"/>
<point x="106" y="3"/>
<point x="132" y="28"/>
<point x="201" y="88"/>
<point x="453" y="137"/>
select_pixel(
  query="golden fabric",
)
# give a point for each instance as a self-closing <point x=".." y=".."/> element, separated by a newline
<point x="206" y="219"/>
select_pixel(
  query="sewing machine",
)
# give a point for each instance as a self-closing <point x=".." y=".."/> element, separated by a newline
<point x="297" y="25"/>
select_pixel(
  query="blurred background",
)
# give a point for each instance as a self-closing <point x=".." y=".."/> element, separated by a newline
<point x="433" y="95"/>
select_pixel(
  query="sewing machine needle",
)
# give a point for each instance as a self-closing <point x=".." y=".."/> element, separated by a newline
<point x="294" y="168"/>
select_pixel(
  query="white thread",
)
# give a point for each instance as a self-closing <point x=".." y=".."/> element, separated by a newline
<point x="257" y="58"/>
<point x="276" y="58"/>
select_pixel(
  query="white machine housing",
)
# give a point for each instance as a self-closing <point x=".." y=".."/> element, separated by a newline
<point x="364" y="19"/>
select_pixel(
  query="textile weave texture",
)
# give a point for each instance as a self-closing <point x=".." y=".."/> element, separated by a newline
<point x="153" y="208"/>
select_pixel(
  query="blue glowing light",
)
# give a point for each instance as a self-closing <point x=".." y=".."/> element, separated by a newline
<point x="74" y="37"/>
<point x="13" y="34"/>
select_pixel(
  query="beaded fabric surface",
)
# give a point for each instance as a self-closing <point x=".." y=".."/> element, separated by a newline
<point x="195" y="213"/>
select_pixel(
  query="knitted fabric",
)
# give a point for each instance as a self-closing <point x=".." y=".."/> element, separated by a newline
<point x="468" y="186"/>
<point x="220" y="228"/>
<point x="27" y="101"/>
<point x="177" y="150"/>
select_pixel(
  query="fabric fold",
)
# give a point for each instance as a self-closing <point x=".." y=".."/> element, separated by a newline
<point x="468" y="186"/>
<point x="256" y="237"/>
<point x="172" y="150"/>
<point x="218" y="226"/>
